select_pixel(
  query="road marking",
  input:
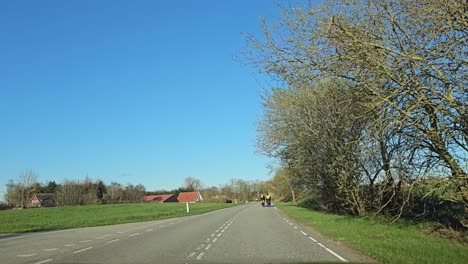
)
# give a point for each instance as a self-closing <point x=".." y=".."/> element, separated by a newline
<point x="121" y="232"/>
<point x="112" y="241"/>
<point x="148" y="230"/>
<point x="191" y="255"/>
<point x="290" y="223"/>
<point x="85" y="241"/>
<point x="50" y="249"/>
<point x="81" y="250"/>
<point x="304" y="233"/>
<point x="69" y="245"/>
<point x="101" y="237"/>
<point x="26" y="255"/>
<point x="44" y="261"/>
<point x="214" y="239"/>
<point x="311" y="238"/>
<point x="135" y="234"/>
<point x="212" y="235"/>
<point x="208" y="247"/>
<point x="336" y="255"/>
<point x="295" y="227"/>
<point x="199" y="247"/>
<point x="217" y="230"/>
<point x="200" y="256"/>
<point x="222" y="231"/>
<point x="219" y="234"/>
<point x="207" y="240"/>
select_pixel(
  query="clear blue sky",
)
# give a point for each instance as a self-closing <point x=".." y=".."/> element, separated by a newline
<point x="129" y="91"/>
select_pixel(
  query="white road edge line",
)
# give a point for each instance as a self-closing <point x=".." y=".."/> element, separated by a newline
<point x="112" y="241"/>
<point x="214" y="239"/>
<point x="200" y="256"/>
<point x="26" y="255"/>
<point x="311" y="238"/>
<point x="81" y="250"/>
<point x="208" y="247"/>
<point x="333" y="252"/>
<point x="336" y="255"/>
<point x="44" y="261"/>
<point x="304" y="233"/>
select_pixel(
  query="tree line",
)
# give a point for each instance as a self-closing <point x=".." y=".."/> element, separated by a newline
<point x="88" y="191"/>
<point x="367" y="110"/>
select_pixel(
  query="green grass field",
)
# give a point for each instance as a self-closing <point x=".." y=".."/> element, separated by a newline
<point x="398" y="243"/>
<point x="42" y="219"/>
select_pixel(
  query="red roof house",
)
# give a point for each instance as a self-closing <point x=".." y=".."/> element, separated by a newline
<point x="161" y="198"/>
<point x="191" y="197"/>
<point x="43" y="200"/>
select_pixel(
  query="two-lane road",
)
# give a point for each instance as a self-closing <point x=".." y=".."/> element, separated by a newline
<point x="241" y="234"/>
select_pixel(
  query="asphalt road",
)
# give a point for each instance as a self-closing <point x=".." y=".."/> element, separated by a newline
<point x="241" y="234"/>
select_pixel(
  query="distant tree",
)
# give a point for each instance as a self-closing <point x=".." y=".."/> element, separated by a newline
<point x="100" y="190"/>
<point x="192" y="184"/>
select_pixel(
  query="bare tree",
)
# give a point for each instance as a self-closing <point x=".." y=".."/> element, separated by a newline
<point x="405" y="63"/>
<point x="192" y="184"/>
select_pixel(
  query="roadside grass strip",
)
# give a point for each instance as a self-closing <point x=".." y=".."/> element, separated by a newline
<point x="57" y="218"/>
<point x="398" y="243"/>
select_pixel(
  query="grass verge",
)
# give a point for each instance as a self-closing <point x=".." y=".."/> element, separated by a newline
<point x="44" y="219"/>
<point x="397" y="243"/>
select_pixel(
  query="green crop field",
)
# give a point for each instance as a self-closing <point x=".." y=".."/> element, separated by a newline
<point x="398" y="243"/>
<point x="42" y="219"/>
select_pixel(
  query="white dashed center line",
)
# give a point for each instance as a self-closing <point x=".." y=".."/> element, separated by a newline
<point x="112" y="241"/>
<point x="44" y="261"/>
<point x="200" y="256"/>
<point x="50" y="249"/>
<point x="81" y="250"/>
<point x="304" y="233"/>
<point x="135" y="234"/>
<point x="208" y="247"/>
<point x="85" y="241"/>
<point x="191" y="255"/>
<point x="70" y="245"/>
<point x="26" y="255"/>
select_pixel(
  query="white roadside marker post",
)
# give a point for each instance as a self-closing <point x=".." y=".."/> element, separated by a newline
<point x="188" y="209"/>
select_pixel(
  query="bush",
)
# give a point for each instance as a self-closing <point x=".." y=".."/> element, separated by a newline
<point x="4" y="206"/>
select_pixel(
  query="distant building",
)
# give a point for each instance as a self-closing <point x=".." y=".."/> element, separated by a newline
<point x="191" y="197"/>
<point x="43" y="200"/>
<point x="161" y="198"/>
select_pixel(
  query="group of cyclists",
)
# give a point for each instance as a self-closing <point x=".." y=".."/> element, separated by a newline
<point x="265" y="198"/>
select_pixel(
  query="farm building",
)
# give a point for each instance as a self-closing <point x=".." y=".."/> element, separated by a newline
<point x="161" y="198"/>
<point x="191" y="197"/>
<point x="43" y="200"/>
